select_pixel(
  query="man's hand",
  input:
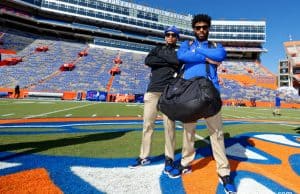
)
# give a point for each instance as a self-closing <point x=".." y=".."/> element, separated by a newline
<point x="221" y="82"/>
<point x="213" y="62"/>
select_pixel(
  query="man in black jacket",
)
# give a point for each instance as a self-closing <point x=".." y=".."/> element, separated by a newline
<point x="164" y="64"/>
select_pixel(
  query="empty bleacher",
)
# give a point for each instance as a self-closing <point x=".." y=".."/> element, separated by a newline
<point x="233" y="90"/>
<point x="134" y="74"/>
<point x="248" y="73"/>
<point x="39" y="71"/>
<point x="16" y="40"/>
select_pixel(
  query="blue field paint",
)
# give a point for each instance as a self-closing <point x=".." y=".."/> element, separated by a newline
<point x="294" y="161"/>
<point x="72" y="127"/>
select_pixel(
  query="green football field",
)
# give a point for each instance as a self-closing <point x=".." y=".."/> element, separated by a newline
<point x="18" y="109"/>
<point x="94" y="139"/>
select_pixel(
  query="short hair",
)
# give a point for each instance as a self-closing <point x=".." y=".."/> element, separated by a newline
<point x="201" y="18"/>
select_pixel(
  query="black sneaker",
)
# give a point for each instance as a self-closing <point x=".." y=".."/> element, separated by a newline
<point x="140" y="162"/>
<point x="179" y="170"/>
<point x="169" y="165"/>
<point x="228" y="185"/>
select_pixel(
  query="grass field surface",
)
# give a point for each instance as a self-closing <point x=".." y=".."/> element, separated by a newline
<point x="77" y="139"/>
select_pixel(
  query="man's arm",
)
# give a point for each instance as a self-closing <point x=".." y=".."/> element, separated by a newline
<point x="210" y="61"/>
<point x="170" y="56"/>
<point x="186" y="56"/>
<point x="154" y="60"/>
<point x="216" y="54"/>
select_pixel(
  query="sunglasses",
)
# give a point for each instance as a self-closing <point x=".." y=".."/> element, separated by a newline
<point x="205" y="27"/>
<point x="170" y="34"/>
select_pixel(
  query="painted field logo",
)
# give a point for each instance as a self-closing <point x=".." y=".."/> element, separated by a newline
<point x="261" y="163"/>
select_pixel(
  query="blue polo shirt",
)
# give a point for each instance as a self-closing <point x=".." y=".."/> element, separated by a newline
<point x="277" y="101"/>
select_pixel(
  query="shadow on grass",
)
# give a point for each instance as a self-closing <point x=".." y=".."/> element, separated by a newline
<point x="199" y="145"/>
<point x="204" y="149"/>
<point x="39" y="146"/>
<point x="297" y="130"/>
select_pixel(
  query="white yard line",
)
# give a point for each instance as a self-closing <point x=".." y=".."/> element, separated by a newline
<point x="48" y="113"/>
<point x="233" y="116"/>
<point x="201" y="138"/>
<point x="179" y="126"/>
<point x="6" y="115"/>
<point x="23" y="102"/>
<point x="289" y="125"/>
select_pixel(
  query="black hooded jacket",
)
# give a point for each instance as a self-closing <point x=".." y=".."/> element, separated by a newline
<point x="164" y="63"/>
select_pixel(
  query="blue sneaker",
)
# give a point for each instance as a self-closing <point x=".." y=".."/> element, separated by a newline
<point x="169" y="165"/>
<point x="179" y="170"/>
<point x="140" y="162"/>
<point x="228" y="185"/>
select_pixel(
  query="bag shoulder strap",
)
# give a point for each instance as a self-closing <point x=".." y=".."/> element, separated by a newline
<point x="211" y="44"/>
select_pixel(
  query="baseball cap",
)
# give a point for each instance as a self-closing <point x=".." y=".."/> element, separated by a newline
<point x="172" y="29"/>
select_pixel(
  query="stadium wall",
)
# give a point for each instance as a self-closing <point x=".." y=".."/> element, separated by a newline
<point x="69" y="95"/>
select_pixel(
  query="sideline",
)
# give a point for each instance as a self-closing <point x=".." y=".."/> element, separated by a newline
<point x="35" y="120"/>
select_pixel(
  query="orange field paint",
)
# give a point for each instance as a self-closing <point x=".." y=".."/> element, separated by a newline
<point x="29" y="181"/>
<point x="202" y="178"/>
<point x="49" y="120"/>
<point x="204" y="173"/>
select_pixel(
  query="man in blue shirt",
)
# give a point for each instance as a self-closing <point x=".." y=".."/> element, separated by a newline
<point x="194" y="55"/>
<point x="276" y="111"/>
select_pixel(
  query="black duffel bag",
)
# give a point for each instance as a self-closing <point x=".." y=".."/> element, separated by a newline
<point x="190" y="100"/>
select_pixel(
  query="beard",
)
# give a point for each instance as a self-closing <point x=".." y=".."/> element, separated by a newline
<point x="201" y="37"/>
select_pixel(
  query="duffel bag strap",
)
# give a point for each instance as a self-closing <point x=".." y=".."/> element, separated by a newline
<point x="179" y="73"/>
<point x="207" y="65"/>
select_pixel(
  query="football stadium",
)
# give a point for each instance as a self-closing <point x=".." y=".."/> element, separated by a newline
<point x="72" y="84"/>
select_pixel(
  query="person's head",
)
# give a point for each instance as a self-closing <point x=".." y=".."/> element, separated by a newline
<point x="201" y="24"/>
<point x="171" y="35"/>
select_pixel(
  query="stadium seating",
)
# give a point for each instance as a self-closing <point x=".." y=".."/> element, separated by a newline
<point x="39" y="71"/>
<point x="232" y="90"/>
<point x="16" y="40"/>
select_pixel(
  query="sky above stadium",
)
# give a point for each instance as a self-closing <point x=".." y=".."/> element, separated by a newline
<point x="282" y="19"/>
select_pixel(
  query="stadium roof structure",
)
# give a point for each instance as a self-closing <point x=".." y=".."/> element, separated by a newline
<point x="126" y="21"/>
<point x="292" y="49"/>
